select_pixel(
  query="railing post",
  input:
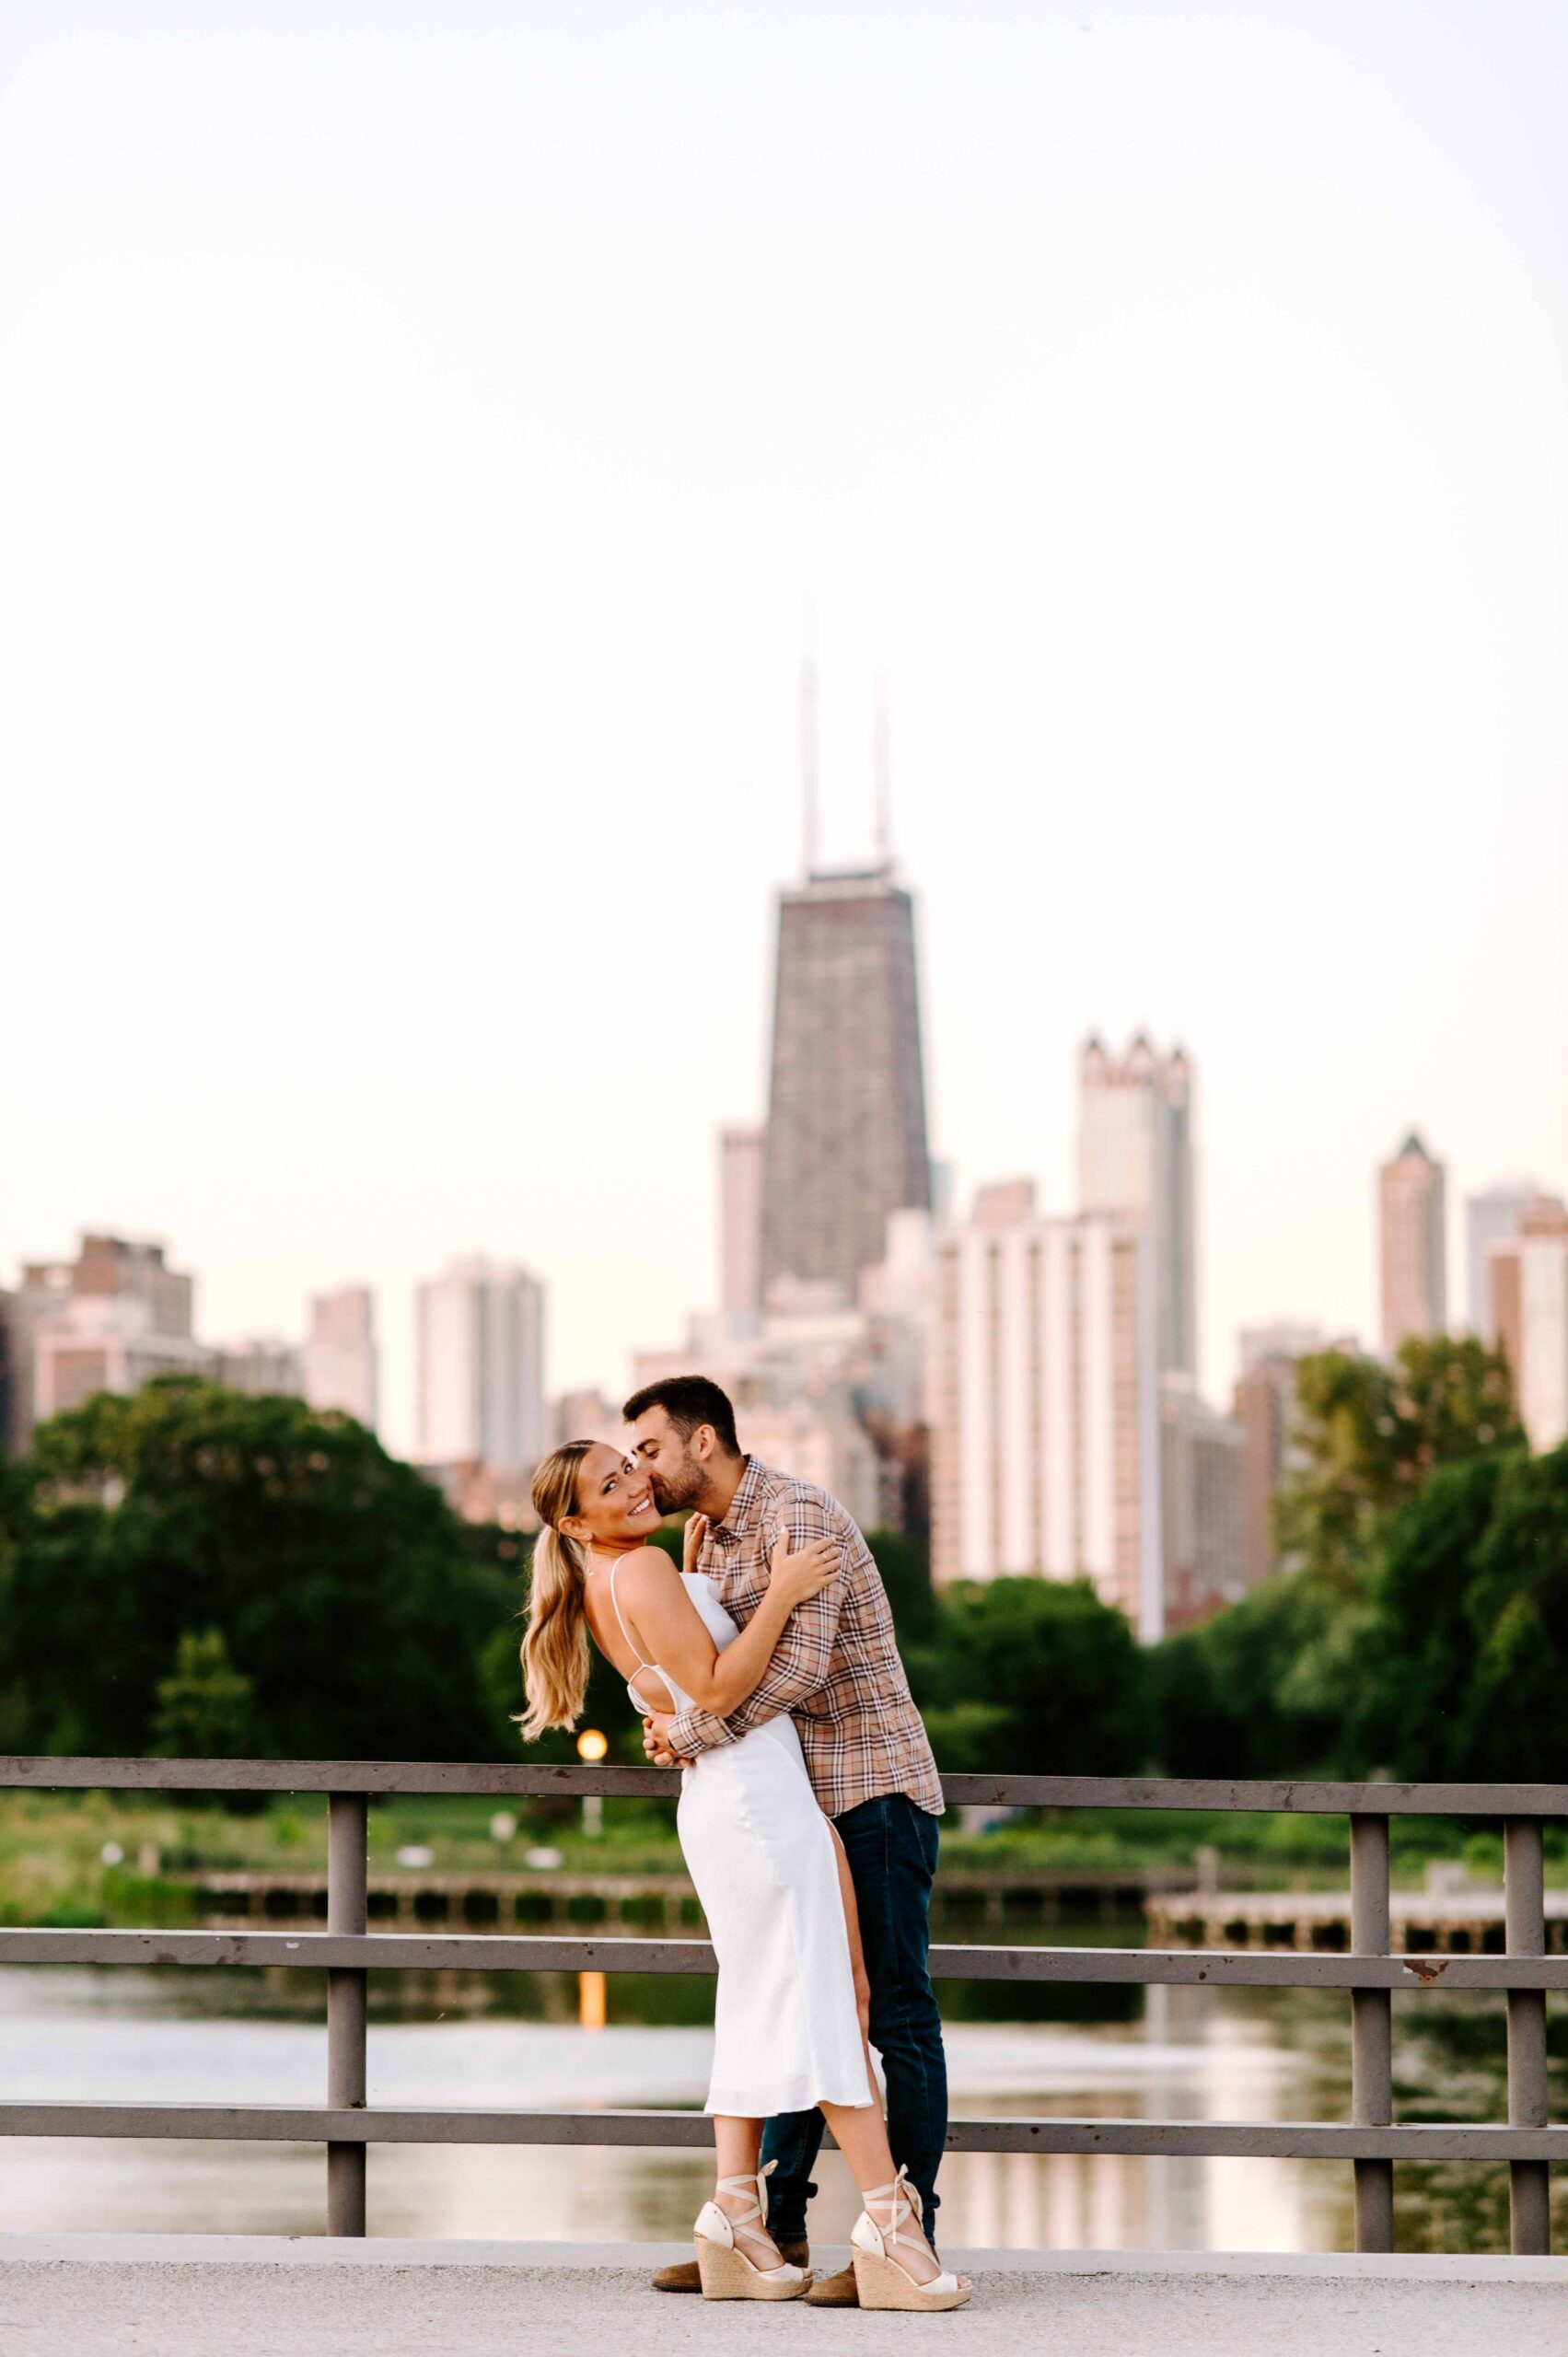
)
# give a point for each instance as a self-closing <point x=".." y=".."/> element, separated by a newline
<point x="1371" y="2030"/>
<point x="346" y="2007"/>
<point x="1525" y="1915"/>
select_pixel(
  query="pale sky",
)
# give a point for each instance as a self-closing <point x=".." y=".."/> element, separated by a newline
<point x="423" y="434"/>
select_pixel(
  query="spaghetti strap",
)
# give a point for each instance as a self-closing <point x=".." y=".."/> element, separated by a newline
<point x="622" y="1618"/>
<point x="631" y="1682"/>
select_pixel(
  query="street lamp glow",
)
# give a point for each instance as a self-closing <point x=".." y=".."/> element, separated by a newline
<point x="591" y="1746"/>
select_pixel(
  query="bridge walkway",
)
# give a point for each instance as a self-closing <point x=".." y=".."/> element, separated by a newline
<point x="187" y="2295"/>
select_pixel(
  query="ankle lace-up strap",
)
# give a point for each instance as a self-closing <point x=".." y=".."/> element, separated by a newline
<point x="873" y="2241"/>
<point x="753" y="2222"/>
<point x="900" y="2207"/>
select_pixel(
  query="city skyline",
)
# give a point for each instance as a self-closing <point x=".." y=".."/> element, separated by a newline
<point x="1224" y="1357"/>
<point x="121" y="1300"/>
<point x="1018" y="1390"/>
<point x="1199" y="488"/>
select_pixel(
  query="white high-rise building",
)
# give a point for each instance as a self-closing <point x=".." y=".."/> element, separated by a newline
<point x="740" y="1221"/>
<point x="1136" y="1160"/>
<point x="341" y="1369"/>
<point x="1490" y="1218"/>
<point x="1528" y="1317"/>
<point x="1046" y="1403"/>
<point x="480" y="1366"/>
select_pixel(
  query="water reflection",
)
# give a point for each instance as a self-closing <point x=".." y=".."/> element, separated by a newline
<point x="517" y="2041"/>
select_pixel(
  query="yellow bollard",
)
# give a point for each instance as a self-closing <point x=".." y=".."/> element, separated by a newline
<point x="590" y="1999"/>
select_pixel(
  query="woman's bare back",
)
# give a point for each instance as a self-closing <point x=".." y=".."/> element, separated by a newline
<point x="607" y="1626"/>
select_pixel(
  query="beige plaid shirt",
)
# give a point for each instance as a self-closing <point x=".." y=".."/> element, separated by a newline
<point x="836" y="1668"/>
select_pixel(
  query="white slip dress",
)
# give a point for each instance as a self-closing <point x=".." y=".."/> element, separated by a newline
<point x="761" y="1855"/>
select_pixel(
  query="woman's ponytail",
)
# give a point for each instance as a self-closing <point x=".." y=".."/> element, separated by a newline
<point x="555" y="1644"/>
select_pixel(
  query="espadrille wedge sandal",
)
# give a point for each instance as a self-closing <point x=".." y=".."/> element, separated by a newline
<point x="879" y="2278"/>
<point x="726" y="2271"/>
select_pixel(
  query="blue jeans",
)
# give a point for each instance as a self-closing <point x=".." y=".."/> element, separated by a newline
<point x="891" y="1849"/>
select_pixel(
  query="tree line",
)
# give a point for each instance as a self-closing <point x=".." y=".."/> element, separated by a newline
<point x="1418" y="1628"/>
<point x="194" y="1572"/>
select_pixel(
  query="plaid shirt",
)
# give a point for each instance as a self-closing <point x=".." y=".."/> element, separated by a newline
<point x="836" y="1668"/>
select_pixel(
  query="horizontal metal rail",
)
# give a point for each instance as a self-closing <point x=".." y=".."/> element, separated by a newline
<point x="500" y="1952"/>
<point x="539" y="1782"/>
<point x="1206" y="1796"/>
<point x="1195" y="2139"/>
<point x="347" y="1952"/>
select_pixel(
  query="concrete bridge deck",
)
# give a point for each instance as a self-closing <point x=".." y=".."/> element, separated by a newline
<point x="176" y="2296"/>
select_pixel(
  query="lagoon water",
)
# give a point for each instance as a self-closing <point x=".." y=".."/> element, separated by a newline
<point x="516" y="2040"/>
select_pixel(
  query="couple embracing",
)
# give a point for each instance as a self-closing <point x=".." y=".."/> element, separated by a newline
<point x="768" y="1671"/>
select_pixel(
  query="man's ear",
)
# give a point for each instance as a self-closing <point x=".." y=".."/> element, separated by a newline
<point x="705" y="1440"/>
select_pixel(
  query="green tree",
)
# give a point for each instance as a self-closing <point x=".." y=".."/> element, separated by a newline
<point x="1408" y="1708"/>
<point x="1224" y="1700"/>
<point x="205" y="1706"/>
<point x="1370" y="1435"/>
<point x="15" y="1515"/>
<point x="1361" y="1656"/>
<point x="1515" y="1724"/>
<point x="1039" y="1676"/>
<point x="346" y="1591"/>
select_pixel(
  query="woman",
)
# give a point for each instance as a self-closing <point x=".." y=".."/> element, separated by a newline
<point x="789" y="2029"/>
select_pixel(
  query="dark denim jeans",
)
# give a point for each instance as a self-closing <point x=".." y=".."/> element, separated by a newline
<point x="891" y="1849"/>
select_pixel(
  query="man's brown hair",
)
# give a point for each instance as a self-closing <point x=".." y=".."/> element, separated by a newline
<point x="688" y="1401"/>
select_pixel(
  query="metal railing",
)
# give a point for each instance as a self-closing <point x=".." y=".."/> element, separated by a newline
<point x="347" y="1951"/>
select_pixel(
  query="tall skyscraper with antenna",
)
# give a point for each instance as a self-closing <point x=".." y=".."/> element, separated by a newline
<point x="846" y="1139"/>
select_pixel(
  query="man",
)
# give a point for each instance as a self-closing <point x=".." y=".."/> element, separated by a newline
<point x="837" y="1671"/>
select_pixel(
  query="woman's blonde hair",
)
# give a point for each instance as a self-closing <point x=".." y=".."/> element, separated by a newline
<point x="555" y="1644"/>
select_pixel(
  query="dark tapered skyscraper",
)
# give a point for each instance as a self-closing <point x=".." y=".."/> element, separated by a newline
<point x="846" y="1140"/>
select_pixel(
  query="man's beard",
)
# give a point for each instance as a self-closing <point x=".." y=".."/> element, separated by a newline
<point x="674" y="1490"/>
